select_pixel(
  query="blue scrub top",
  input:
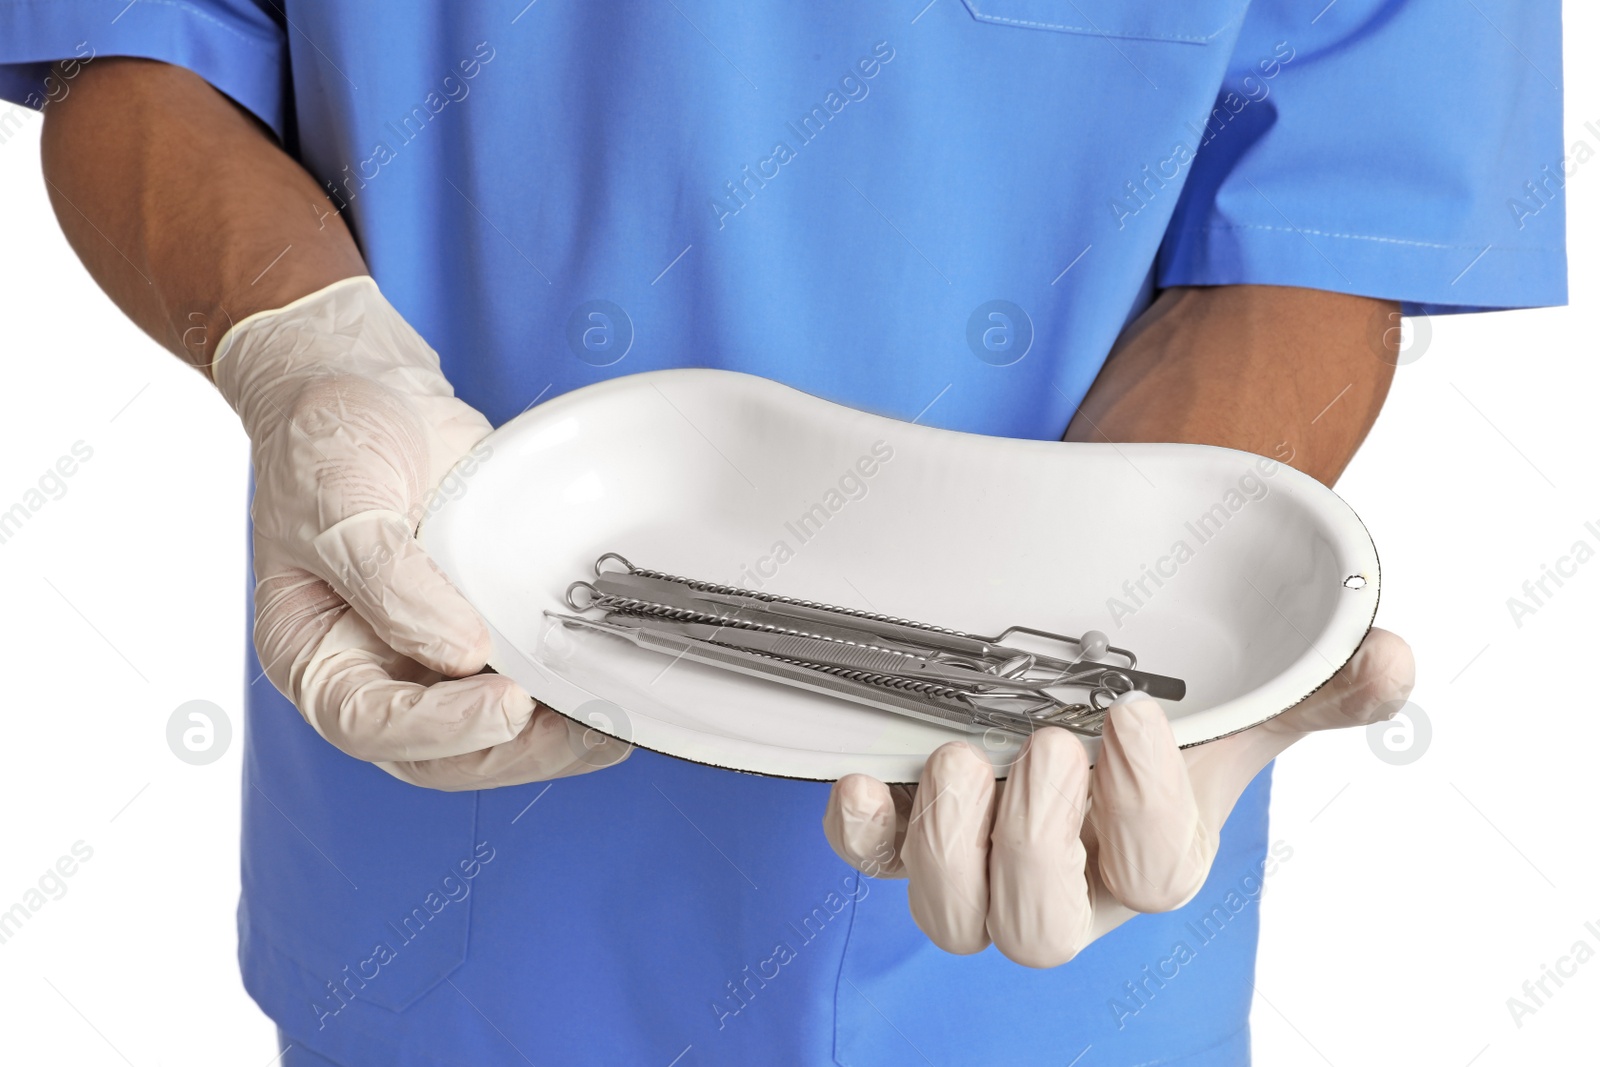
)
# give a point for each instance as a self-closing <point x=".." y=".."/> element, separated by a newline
<point x="941" y="210"/>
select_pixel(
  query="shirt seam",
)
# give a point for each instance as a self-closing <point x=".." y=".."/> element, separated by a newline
<point x="1362" y="237"/>
<point x="1087" y="31"/>
<point x="1093" y="31"/>
<point x="838" y="979"/>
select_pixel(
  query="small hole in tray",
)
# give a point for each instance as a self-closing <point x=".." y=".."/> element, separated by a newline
<point x="1355" y="581"/>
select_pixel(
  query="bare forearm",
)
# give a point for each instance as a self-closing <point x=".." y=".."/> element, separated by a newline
<point x="182" y="206"/>
<point x="1283" y="372"/>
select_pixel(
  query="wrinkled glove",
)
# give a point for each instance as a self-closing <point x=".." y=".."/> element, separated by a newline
<point x="352" y="426"/>
<point x="1059" y="854"/>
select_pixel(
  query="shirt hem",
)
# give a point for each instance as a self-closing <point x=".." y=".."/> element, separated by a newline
<point x="242" y="61"/>
<point x="1440" y="278"/>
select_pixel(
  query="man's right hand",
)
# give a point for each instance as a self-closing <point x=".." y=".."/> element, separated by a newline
<point x="189" y="214"/>
<point x="352" y="426"/>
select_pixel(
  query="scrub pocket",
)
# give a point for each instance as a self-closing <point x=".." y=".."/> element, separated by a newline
<point x="360" y="879"/>
<point x="1198" y="22"/>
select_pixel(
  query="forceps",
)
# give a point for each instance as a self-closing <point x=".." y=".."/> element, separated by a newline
<point x="929" y="672"/>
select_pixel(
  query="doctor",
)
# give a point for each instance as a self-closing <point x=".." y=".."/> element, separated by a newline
<point x="382" y="229"/>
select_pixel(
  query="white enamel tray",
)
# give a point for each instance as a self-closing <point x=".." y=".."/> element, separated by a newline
<point x="1249" y="580"/>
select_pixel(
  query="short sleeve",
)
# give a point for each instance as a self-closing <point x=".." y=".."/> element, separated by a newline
<point x="1403" y="149"/>
<point x="235" y="45"/>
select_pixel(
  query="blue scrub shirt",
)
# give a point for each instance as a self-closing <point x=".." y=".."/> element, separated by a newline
<point x="939" y="210"/>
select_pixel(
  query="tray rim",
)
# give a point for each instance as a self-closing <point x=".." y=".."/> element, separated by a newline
<point x="601" y="391"/>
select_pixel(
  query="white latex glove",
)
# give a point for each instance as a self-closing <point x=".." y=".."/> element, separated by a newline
<point x="352" y="426"/>
<point x="1019" y="864"/>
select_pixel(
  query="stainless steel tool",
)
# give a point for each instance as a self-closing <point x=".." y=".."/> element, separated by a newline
<point x="911" y="668"/>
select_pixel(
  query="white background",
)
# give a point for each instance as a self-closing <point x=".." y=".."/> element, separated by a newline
<point x="1418" y="897"/>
